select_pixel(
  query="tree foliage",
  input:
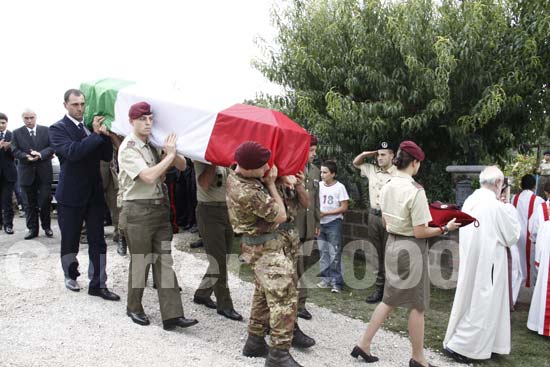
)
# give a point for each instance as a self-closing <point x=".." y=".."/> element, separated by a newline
<point x="465" y="79"/>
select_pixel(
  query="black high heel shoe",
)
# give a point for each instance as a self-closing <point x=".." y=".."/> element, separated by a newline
<point x="413" y="363"/>
<point x="369" y="358"/>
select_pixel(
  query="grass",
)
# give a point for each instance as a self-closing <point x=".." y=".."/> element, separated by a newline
<point x="528" y="348"/>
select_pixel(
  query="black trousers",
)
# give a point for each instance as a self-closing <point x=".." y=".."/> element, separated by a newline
<point x="6" y="195"/>
<point x="70" y="223"/>
<point x="39" y="202"/>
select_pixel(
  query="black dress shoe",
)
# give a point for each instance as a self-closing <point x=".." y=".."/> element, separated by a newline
<point x="30" y="235"/>
<point x="413" y="363"/>
<point x="457" y="357"/>
<point x="304" y="314"/>
<point x="49" y="232"/>
<point x="196" y="244"/>
<point x="8" y="230"/>
<point x="182" y="322"/>
<point x="230" y="313"/>
<point x="72" y="285"/>
<point x="376" y="296"/>
<point x="205" y="301"/>
<point x="139" y="318"/>
<point x="104" y="293"/>
<point x="369" y="358"/>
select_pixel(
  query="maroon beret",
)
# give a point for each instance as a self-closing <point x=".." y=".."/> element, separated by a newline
<point x="413" y="149"/>
<point x="314" y="140"/>
<point x="139" y="109"/>
<point x="252" y="155"/>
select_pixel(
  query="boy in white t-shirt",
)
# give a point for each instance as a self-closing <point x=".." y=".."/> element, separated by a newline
<point x="333" y="198"/>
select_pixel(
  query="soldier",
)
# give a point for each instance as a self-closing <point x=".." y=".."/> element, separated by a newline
<point x="144" y="219"/>
<point x="294" y="196"/>
<point x="377" y="176"/>
<point x="217" y="234"/>
<point x="308" y="224"/>
<point x="255" y="211"/>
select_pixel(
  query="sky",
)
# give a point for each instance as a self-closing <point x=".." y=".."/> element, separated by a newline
<point x="203" y="48"/>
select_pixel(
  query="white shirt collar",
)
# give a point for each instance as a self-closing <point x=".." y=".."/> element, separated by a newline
<point x="33" y="129"/>
<point x="76" y="122"/>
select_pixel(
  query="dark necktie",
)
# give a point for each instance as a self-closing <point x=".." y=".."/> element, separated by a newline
<point x="1" y="135"/>
<point x="33" y="138"/>
<point x="82" y="131"/>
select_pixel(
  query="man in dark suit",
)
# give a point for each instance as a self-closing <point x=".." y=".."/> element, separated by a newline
<point x="8" y="175"/>
<point x="31" y="146"/>
<point x="79" y="192"/>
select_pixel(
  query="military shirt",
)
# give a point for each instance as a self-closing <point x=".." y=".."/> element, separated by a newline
<point x="404" y="205"/>
<point x="308" y="219"/>
<point x="291" y="201"/>
<point x="377" y="179"/>
<point x="216" y="190"/>
<point x="134" y="156"/>
<point x="252" y="210"/>
<point x="544" y="168"/>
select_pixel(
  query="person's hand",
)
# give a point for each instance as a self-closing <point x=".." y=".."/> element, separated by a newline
<point x="271" y="176"/>
<point x="96" y="123"/>
<point x="32" y="158"/>
<point x="322" y="214"/>
<point x="170" y="145"/>
<point x="300" y="178"/>
<point x="3" y="144"/>
<point x="452" y="225"/>
<point x="34" y="153"/>
<point x="317" y="232"/>
<point x="103" y="130"/>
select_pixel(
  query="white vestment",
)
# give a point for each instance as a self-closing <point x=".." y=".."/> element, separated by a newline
<point x="539" y="312"/>
<point x="480" y="318"/>
<point x="524" y="248"/>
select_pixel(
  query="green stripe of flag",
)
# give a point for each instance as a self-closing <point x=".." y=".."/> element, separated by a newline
<point x="101" y="97"/>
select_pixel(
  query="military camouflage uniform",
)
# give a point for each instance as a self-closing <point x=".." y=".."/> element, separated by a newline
<point x="252" y="213"/>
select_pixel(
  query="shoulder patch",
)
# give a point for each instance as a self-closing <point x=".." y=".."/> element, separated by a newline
<point x="130" y="143"/>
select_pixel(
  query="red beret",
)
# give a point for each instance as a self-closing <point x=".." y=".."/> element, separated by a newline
<point x="314" y="140"/>
<point x="413" y="149"/>
<point x="252" y="155"/>
<point x="139" y="109"/>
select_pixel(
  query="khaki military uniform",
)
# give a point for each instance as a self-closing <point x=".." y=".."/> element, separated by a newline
<point x="145" y="222"/>
<point x="252" y="212"/>
<point x="377" y="234"/>
<point x="404" y="205"/>
<point x="544" y="170"/>
<point x="217" y="236"/>
<point x="307" y="221"/>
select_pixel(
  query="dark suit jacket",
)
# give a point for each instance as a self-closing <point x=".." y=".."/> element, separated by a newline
<point x="8" y="172"/>
<point x="79" y="179"/>
<point x="22" y="145"/>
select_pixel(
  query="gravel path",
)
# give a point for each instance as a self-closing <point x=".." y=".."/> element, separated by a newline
<point x="43" y="324"/>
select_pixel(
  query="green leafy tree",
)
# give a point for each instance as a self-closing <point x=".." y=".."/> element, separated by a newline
<point x="465" y="79"/>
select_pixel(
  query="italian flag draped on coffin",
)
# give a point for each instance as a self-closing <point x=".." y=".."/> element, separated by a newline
<point x="207" y="136"/>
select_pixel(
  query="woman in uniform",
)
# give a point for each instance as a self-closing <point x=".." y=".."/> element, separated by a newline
<point x="406" y="214"/>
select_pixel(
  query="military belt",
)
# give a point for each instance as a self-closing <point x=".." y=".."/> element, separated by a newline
<point x="213" y="203"/>
<point x="258" y="240"/>
<point x="376" y="212"/>
<point x="286" y="226"/>
<point x="148" y="201"/>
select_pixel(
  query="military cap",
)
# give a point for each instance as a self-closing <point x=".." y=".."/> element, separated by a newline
<point x="139" y="109"/>
<point x="545" y="152"/>
<point x="413" y="149"/>
<point x="252" y="155"/>
<point x="314" y="140"/>
<point x="385" y="145"/>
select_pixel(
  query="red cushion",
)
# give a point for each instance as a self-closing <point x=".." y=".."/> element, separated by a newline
<point x="443" y="213"/>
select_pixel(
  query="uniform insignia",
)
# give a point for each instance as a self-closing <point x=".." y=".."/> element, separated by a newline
<point x="384" y="144"/>
<point x="444" y="206"/>
<point x="130" y="144"/>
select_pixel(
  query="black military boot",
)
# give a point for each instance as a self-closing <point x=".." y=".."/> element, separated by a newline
<point x="280" y="358"/>
<point x="376" y="296"/>
<point x="121" y="246"/>
<point x="301" y="340"/>
<point x="255" y="346"/>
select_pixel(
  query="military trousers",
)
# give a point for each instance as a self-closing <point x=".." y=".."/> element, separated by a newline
<point x="274" y="300"/>
<point x="146" y="227"/>
<point x="303" y="264"/>
<point x="217" y="236"/>
<point x="378" y="236"/>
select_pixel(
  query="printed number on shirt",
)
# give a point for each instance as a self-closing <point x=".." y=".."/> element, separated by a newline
<point x="330" y="200"/>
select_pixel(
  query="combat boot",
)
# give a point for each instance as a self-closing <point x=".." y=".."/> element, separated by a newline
<point x="255" y="346"/>
<point x="301" y="340"/>
<point x="280" y="358"/>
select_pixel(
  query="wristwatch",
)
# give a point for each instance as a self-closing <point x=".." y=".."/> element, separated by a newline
<point x="444" y="229"/>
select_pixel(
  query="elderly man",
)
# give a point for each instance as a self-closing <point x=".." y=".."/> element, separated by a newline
<point x="31" y="146"/>
<point x="480" y="318"/>
<point x="144" y="218"/>
<point x="377" y="176"/>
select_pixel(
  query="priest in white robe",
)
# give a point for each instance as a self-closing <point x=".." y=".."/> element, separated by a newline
<point x="525" y="202"/>
<point x="480" y="318"/>
<point x="539" y="227"/>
